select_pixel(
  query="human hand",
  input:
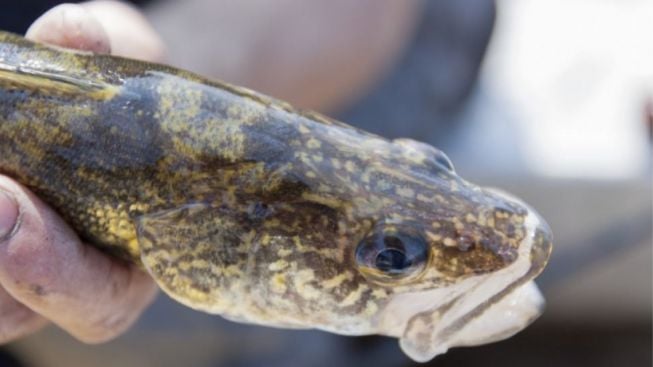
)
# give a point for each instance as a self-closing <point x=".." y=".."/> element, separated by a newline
<point x="320" y="55"/>
<point x="46" y="273"/>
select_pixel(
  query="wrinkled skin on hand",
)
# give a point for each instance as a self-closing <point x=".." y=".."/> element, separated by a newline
<point x="47" y="274"/>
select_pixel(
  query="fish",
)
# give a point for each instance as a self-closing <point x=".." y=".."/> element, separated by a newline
<point x="240" y="205"/>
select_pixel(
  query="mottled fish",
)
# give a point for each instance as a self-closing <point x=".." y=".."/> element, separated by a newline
<point x="237" y="204"/>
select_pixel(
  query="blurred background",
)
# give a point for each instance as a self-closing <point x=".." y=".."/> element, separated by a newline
<point x="551" y="100"/>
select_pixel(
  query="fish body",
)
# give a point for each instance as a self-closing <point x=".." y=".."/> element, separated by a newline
<point x="240" y="205"/>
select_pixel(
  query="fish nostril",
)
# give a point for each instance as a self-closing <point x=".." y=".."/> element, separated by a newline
<point x="490" y="245"/>
<point x="440" y="158"/>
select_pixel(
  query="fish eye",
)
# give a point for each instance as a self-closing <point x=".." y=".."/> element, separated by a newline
<point x="444" y="161"/>
<point x="391" y="254"/>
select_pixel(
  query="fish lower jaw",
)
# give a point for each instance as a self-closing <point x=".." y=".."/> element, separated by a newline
<point x="500" y="321"/>
<point x="477" y="310"/>
<point x="503" y="319"/>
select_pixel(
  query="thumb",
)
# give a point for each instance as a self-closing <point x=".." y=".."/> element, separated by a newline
<point x="44" y="266"/>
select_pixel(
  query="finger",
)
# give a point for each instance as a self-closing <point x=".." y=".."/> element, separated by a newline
<point x="130" y="33"/>
<point x="71" y="26"/>
<point x="44" y="266"/>
<point x="16" y="320"/>
<point x="99" y="26"/>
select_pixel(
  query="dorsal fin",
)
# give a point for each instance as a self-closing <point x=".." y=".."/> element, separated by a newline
<point x="45" y="80"/>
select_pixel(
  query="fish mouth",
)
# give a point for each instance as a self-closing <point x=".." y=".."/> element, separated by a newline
<point x="480" y="309"/>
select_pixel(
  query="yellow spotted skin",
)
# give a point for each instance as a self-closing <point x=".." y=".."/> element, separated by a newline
<point x="237" y="203"/>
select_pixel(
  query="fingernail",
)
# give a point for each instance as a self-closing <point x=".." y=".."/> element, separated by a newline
<point x="8" y="215"/>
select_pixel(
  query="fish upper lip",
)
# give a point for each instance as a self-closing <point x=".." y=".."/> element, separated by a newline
<point x="542" y="235"/>
<point x="541" y="249"/>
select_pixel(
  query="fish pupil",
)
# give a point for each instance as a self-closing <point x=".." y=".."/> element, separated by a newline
<point x="391" y="261"/>
<point x="392" y="254"/>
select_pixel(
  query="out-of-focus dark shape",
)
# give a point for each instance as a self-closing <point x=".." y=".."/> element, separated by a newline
<point x="559" y="345"/>
<point x="8" y="359"/>
<point x="428" y="88"/>
<point x="17" y="15"/>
